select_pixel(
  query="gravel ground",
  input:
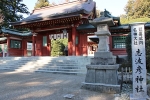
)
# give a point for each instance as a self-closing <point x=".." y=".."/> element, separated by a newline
<point x="46" y="86"/>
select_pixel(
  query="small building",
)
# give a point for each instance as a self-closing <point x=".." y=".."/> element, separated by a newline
<point x="13" y="42"/>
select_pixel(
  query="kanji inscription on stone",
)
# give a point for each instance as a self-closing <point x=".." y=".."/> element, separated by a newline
<point x="138" y="61"/>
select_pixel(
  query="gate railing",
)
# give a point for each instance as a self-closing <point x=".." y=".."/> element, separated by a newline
<point x="125" y="75"/>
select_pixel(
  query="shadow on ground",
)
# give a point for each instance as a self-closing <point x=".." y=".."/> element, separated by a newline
<point x="45" y="86"/>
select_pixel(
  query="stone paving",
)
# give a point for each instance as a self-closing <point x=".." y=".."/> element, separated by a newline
<point x="46" y="86"/>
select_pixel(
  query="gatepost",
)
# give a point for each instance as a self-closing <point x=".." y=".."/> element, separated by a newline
<point x="138" y="62"/>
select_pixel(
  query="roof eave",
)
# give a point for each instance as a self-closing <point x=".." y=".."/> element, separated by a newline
<point x="42" y="19"/>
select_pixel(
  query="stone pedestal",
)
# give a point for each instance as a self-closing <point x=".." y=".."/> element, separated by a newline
<point x="102" y="73"/>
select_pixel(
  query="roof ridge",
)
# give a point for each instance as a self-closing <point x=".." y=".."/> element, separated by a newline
<point x="59" y="5"/>
<point x="15" y="30"/>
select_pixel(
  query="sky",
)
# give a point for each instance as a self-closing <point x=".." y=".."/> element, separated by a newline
<point x="115" y="7"/>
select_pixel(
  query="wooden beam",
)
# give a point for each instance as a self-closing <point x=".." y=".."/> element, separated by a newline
<point x="55" y="28"/>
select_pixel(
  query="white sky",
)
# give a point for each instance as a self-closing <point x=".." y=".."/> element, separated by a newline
<point x="115" y="7"/>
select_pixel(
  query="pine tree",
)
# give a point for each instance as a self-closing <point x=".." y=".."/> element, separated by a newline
<point x="57" y="48"/>
<point x="141" y="8"/>
<point x="129" y="8"/>
<point x="136" y="11"/>
<point x="41" y="3"/>
<point x="1" y="18"/>
<point x="137" y="8"/>
<point x="12" y="10"/>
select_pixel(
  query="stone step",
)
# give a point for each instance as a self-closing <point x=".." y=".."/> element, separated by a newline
<point x="57" y="64"/>
<point x="58" y="69"/>
<point x="6" y="68"/>
<point x="64" y="72"/>
<point x="44" y="65"/>
<point x="38" y="64"/>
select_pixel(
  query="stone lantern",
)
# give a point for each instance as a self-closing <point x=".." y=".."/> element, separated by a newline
<point x="102" y="72"/>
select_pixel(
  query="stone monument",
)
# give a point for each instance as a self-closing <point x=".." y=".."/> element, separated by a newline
<point x="138" y="62"/>
<point x="102" y="72"/>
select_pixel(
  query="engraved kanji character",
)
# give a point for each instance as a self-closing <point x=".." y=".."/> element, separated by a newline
<point x="141" y="89"/>
<point x="139" y="69"/>
<point x="135" y="30"/>
<point x="137" y="88"/>
<point x="137" y="79"/>
<point x="141" y="79"/>
<point x="140" y="28"/>
<point x="138" y="61"/>
<point x="135" y="40"/>
<point x="141" y="42"/>
<point x="138" y="53"/>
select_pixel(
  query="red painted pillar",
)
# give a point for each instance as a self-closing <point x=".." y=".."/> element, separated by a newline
<point x="77" y="41"/>
<point x="33" y="45"/>
<point x="48" y="45"/>
<point x="24" y="47"/>
<point x="79" y="44"/>
<point x="39" y="50"/>
<point x="110" y="43"/>
<point x="85" y="44"/>
<point x="70" y="44"/>
<point x="74" y="40"/>
<point x="8" y="45"/>
<point x="82" y="43"/>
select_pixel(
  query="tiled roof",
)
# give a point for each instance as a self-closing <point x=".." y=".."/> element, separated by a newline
<point x="66" y="9"/>
<point x="85" y="26"/>
<point x="15" y="32"/>
<point x="123" y="26"/>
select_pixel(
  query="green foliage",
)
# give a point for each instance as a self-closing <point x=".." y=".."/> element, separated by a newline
<point x="41" y="3"/>
<point x="147" y="45"/>
<point x="129" y="8"/>
<point x="13" y="10"/>
<point x="0" y="49"/>
<point x="137" y="9"/>
<point x="58" y="47"/>
<point x="125" y="65"/>
<point x="148" y="81"/>
<point x="128" y="49"/>
<point x="64" y="41"/>
<point x="125" y="20"/>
